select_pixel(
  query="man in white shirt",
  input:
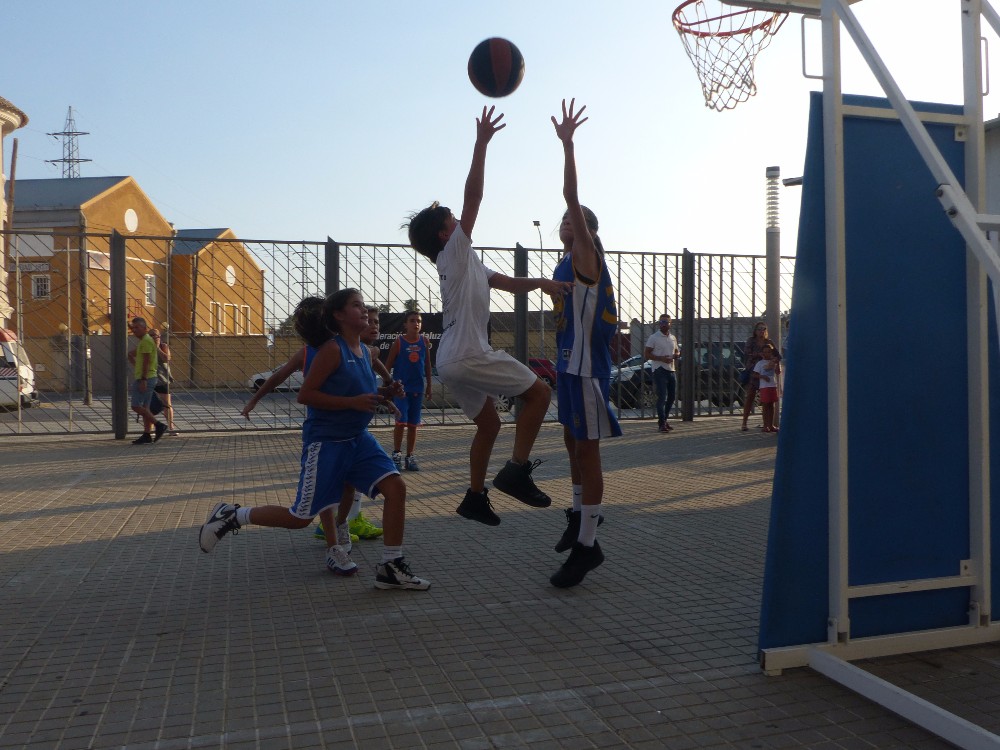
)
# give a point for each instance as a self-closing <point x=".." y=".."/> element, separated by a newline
<point x="661" y="347"/>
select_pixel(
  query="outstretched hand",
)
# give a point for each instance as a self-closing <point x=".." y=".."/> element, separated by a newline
<point x="570" y="121"/>
<point x="487" y="125"/>
<point x="555" y="288"/>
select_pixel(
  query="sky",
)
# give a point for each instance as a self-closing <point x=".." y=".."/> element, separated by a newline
<point x="313" y="118"/>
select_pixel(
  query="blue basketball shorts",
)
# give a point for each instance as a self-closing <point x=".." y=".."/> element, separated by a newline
<point x="584" y="407"/>
<point x="410" y="408"/>
<point x="327" y="465"/>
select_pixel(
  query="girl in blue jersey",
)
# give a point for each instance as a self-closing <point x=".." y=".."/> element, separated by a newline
<point x="586" y="319"/>
<point x="340" y="395"/>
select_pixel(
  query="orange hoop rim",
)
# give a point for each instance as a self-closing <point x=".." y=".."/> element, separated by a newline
<point x="688" y="27"/>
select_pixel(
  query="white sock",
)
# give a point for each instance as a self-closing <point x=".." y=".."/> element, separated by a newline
<point x="577" y="496"/>
<point x="588" y="524"/>
<point x="355" y="510"/>
<point x="391" y="553"/>
<point x="243" y="516"/>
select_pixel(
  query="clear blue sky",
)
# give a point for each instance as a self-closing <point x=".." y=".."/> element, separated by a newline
<point x="298" y="120"/>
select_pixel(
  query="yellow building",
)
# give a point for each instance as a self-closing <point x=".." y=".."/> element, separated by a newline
<point x="59" y="264"/>
<point x="218" y="287"/>
<point x="200" y="280"/>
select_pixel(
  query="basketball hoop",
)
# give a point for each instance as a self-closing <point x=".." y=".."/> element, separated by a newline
<point x="723" y="48"/>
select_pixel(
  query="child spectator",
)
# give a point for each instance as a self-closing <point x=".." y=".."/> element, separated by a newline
<point x="765" y="376"/>
<point x="409" y="358"/>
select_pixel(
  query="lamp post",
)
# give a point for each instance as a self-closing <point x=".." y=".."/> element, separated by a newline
<point x="541" y="307"/>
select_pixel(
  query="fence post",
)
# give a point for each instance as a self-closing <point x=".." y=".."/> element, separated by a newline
<point x="119" y="339"/>
<point x="331" y="256"/>
<point x="688" y="313"/>
<point x="520" y="316"/>
<point x="521" y="307"/>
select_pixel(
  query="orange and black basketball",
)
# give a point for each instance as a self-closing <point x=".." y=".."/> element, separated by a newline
<point x="496" y="67"/>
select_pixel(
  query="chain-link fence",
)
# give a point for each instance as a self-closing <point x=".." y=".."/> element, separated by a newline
<point x="223" y="307"/>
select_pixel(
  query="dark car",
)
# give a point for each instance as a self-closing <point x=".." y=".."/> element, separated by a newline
<point x="717" y="365"/>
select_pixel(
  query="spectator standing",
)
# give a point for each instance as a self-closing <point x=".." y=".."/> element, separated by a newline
<point x="753" y="352"/>
<point x="661" y="347"/>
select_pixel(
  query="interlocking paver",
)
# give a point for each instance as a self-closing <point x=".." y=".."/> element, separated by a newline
<point x="116" y="631"/>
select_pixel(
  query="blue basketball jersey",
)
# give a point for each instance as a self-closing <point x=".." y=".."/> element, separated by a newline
<point x="354" y="377"/>
<point x="411" y="363"/>
<point x="586" y="320"/>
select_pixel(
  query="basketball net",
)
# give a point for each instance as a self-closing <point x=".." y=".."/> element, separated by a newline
<point x="723" y="48"/>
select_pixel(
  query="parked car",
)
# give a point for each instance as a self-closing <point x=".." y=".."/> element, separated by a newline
<point x="258" y="379"/>
<point x="717" y="368"/>
<point x="17" y="377"/>
<point x="630" y="364"/>
<point x="544" y="369"/>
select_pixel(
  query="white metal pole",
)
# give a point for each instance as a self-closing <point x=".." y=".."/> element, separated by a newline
<point x="977" y="319"/>
<point x="838" y="624"/>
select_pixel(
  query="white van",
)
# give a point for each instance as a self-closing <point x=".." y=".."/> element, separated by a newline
<point x="17" y="378"/>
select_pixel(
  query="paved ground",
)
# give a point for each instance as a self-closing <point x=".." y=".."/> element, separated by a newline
<point x="116" y="631"/>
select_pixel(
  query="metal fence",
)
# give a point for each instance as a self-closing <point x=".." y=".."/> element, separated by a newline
<point x="224" y="305"/>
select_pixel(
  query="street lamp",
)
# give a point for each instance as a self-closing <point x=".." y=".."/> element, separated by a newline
<point x="541" y="311"/>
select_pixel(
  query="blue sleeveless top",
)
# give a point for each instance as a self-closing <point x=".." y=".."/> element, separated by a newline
<point x="410" y="364"/>
<point x="586" y="321"/>
<point x="354" y="377"/>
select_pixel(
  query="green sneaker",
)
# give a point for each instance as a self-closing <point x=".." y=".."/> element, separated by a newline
<point x="364" y="528"/>
<point x="320" y="534"/>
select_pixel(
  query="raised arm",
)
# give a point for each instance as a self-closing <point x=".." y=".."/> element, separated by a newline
<point x="586" y="259"/>
<point x="486" y="127"/>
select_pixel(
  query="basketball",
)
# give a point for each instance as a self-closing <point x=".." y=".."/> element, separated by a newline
<point x="496" y="67"/>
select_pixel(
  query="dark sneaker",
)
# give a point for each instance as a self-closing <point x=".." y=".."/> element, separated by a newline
<point x="515" y="480"/>
<point x="396" y="575"/>
<point x="477" y="507"/>
<point x="572" y="532"/>
<point x="581" y="561"/>
<point x="339" y="562"/>
<point x="143" y="439"/>
<point x="220" y="522"/>
<point x="160" y="429"/>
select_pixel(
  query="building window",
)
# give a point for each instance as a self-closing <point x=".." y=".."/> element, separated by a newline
<point x="150" y="290"/>
<point x="41" y="287"/>
<point x="245" y="319"/>
<point x="218" y="314"/>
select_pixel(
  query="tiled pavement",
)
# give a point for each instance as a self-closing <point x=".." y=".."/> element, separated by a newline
<point x="116" y="631"/>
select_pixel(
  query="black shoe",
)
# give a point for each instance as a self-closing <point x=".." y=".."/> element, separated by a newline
<point x="160" y="429"/>
<point x="515" y="480"/>
<point x="476" y="507"/>
<point x="143" y="439"/>
<point x="572" y="529"/>
<point x="581" y="561"/>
